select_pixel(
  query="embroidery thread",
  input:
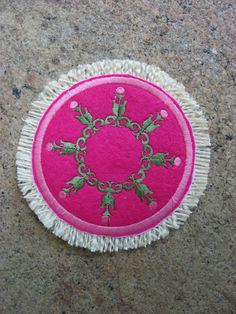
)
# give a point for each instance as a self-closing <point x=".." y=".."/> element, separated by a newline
<point x="140" y="132"/>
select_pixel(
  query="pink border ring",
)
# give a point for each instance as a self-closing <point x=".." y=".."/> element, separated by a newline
<point x="118" y="231"/>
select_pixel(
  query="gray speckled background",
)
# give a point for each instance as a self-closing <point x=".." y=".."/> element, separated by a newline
<point x="193" y="270"/>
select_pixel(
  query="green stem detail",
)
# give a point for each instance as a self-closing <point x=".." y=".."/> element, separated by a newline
<point x="85" y="117"/>
<point x="108" y="202"/>
<point x="106" y="213"/>
<point x="142" y="191"/>
<point x="77" y="183"/>
<point x="66" y="148"/>
<point x="160" y="159"/>
<point x="119" y="108"/>
<point x="150" y="124"/>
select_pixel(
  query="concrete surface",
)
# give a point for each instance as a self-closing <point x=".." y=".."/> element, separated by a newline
<point x="193" y="270"/>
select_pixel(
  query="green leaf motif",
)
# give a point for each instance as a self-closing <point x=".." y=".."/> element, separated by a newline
<point x="158" y="117"/>
<point x="77" y="183"/>
<point x="171" y="160"/>
<point x="150" y="200"/>
<point x="86" y="117"/>
<point x="108" y="200"/>
<point x="142" y="190"/>
<point x="115" y="108"/>
<point x="68" y="148"/>
<point x="106" y="213"/>
<point x="82" y="119"/>
<point x="67" y="191"/>
<point x="119" y="96"/>
<point x="78" y="109"/>
<point x="159" y="159"/>
<point x="122" y="108"/>
<point x="119" y="109"/>
<point x="152" y="127"/>
<point x="56" y="147"/>
<point x="147" y="122"/>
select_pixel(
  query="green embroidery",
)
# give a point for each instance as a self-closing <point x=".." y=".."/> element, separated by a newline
<point x="119" y="108"/>
<point x="76" y="183"/>
<point x="85" y="117"/>
<point x="135" y="180"/>
<point x="108" y="201"/>
<point x="66" y="148"/>
<point x="150" y="124"/>
<point x="160" y="159"/>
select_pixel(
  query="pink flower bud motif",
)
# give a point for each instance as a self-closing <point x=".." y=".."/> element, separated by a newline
<point x="73" y="104"/>
<point x="153" y="205"/>
<point x="49" y="147"/>
<point x="62" y="194"/>
<point x="105" y="219"/>
<point x="120" y="90"/>
<point x="177" y="161"/>
<point x="164" y="114"/>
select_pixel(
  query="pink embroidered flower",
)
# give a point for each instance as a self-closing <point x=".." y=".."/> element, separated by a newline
<point x="73" y="104"/>
<point x="49" y="147"/>
<point x="164" y="113"/>
<point x="120" y="90"/>
<point x="105" y="219"/>
<point x="153" y="205"/>
<point x="177" y="161"/>
<point x="62" y="194"/>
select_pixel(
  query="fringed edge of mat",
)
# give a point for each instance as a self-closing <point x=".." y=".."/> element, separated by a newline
<point x="106" y="243"/>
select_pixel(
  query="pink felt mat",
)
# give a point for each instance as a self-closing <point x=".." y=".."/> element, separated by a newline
<point x="113" y="155"/>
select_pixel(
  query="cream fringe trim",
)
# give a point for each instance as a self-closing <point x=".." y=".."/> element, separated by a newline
<point x="104" y="243"/>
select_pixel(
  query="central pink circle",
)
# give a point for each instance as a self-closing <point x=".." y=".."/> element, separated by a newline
<point x="113" y="154"/>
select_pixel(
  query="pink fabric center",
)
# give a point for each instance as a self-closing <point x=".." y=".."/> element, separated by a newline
<point x="113" y="154"/>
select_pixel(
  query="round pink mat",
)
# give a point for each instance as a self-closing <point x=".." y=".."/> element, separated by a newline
<point x="113" y="155"/>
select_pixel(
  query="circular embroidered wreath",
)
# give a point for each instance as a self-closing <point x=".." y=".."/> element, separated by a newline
<point x="140" y="132"/>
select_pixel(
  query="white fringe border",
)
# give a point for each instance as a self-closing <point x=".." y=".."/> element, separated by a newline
<point x="104" y="243"/>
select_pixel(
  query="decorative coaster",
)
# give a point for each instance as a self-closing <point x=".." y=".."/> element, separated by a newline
<point x="108" y="154"/>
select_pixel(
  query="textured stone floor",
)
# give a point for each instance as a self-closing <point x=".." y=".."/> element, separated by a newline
<point x="193" y="270"/>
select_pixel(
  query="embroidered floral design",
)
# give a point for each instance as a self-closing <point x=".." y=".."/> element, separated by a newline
<point x="140" y="132"/>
